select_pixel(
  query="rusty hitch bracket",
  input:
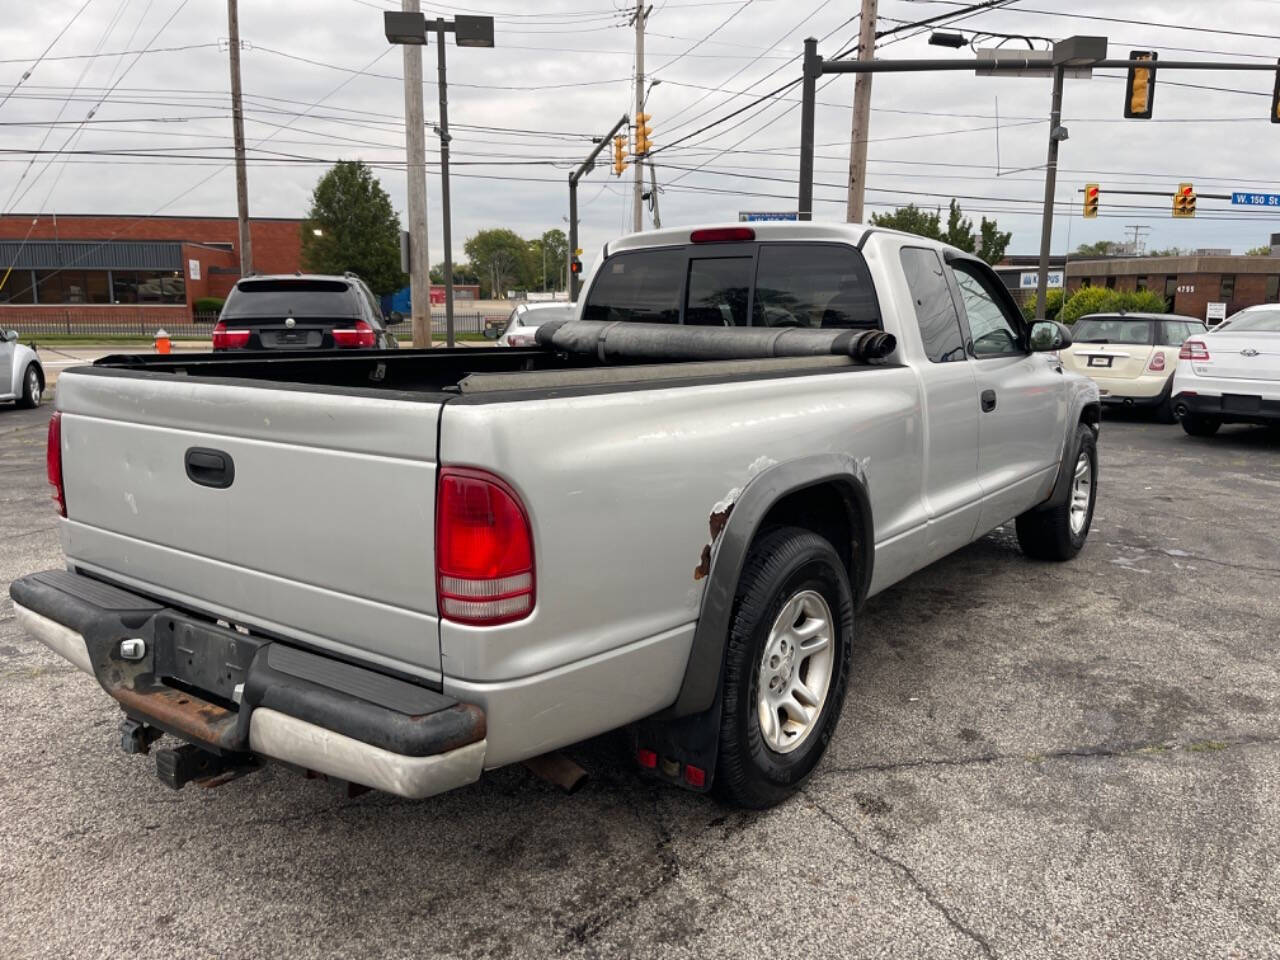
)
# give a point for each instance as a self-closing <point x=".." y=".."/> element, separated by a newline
<point x="188" y="763"/>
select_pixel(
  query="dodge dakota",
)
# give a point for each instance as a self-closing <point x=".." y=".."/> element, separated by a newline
<point x="400" y="569"/>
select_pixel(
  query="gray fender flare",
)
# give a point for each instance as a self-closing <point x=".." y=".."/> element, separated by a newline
<point x="848" y="476"/>
<point x="1083" y="400"/>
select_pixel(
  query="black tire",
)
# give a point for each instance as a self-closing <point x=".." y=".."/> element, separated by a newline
<point x="1047" y="534"/>
<point x="1198" y="425"/>
<point x="1164" y="412"/>
<point x="783" y="562"/>
<point x="32" y="388"/>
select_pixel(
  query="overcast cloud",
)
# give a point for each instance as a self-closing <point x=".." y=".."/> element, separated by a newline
<point x="562" y="70"/>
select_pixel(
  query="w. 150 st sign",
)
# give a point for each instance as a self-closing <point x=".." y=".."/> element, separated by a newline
<point x="1246" y="199"/>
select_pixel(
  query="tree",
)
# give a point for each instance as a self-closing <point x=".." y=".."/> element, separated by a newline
<point x="1088" y="300"/>
<point x="990" y="243"/>
<point x="556" y="245"/>
<point x="462" y="273"/>
<point x="1264" y="251"/>
<point x="499" y="257"/>
<point x="1103" y="248"/>
<point x="352" y="226"/>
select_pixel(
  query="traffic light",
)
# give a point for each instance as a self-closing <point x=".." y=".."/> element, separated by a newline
<point x="1090" y="200"/>
<point x="1184" y="201"/>
<point x="1275" y="99"/>
<point x="642" y="134"/>
<point x="619" y="154"/>
<point x="1140" y="91"/>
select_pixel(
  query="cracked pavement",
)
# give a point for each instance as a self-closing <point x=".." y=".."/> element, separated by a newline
<point x="1033" y="761"/>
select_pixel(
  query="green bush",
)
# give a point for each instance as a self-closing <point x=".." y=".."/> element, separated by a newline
<point x="1088" y="300"/>
<point x="1052" y="304"/>
<point x="208" y="304"/>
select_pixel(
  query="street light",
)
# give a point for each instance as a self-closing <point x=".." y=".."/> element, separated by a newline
<point x="411" y="28"/>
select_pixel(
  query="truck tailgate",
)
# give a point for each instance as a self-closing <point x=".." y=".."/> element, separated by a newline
<point x="325" y="532"/>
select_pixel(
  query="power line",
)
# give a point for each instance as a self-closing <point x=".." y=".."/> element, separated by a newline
<point x="58" y="36"/>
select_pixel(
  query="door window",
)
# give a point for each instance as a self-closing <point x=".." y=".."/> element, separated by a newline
<point x="814" y="285"/>
<point x="935" y="308"/>
<point x="994" y="333"/>
<point x="718" y="291"/>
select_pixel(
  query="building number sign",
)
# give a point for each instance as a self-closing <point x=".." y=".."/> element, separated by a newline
<point x="1186" y="288"/>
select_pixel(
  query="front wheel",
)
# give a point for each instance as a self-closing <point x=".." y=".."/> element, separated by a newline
<point x="1197" y="425"/>
<point x="786" y="666"/>
<point x="1058" y="533"/>
<point x="31" y="389"/>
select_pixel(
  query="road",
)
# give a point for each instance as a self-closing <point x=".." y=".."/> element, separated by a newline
<point x="1034" y="760"/>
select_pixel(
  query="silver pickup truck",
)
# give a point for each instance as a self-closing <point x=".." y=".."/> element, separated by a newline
<point x="401" y="569"/>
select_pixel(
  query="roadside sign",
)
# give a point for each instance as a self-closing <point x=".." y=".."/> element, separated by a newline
<point x="1215" y="313"/>
<point x="1029" y="279"/>
<point x="748" y="216"/>
<point x="1245" y="199"/>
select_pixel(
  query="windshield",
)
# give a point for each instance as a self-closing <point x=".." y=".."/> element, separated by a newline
<point x="265" y="299"/>
<point x="1262" y="321"/>
<point x="531" y="318"/>
<point x="1113" y="330"/>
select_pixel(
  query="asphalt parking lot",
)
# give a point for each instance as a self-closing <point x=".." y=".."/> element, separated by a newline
<point x="1034" y="760"/>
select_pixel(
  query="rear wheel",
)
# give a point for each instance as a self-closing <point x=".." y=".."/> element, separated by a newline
<point x="786" y="666"/>
<point x="1198" y="425"/>
<point x="32" y="391"/>
<point x="1058" y="533"/>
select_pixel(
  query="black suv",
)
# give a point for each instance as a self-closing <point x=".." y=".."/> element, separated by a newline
<point x="303" y="312"/>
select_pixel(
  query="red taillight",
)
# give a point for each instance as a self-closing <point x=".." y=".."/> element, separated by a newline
<point x="695" y="776"/>
<point x="224" y="339"/>
<point x="484" y="550"/>
<point x="647" y="758"/>
<point x="53" y="462"/>
<point x="521" y="340"/>
<point x="359" y="334"/>
<point x="1194" y="350"/>
<point x="1157" y="362"/>
<point x="722" y="235"/>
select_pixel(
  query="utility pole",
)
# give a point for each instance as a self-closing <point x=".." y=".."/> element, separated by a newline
<point x="1139" y="245"/>
<point x="861" y="115"/>
<point x="416" y="172"/>
<point x="1057" y="133"/>
<point x="653" y="196"/>
<point x="237" y="127"/>
<point x="637" y="202"/>
<point x="447" y="218"/>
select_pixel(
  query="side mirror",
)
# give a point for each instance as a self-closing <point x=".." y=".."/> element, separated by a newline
<point x="1049" y="335"/>
<point x="10" y="336"/>
<point x="395" y="317"/>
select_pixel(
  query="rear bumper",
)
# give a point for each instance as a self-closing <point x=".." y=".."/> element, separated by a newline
<point x="1141" y="391"/>
<point x="1229" y="408"/>
<point x="295" y="706"/>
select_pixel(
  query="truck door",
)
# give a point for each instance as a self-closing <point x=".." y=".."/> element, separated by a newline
<point x="1021" y="401"/>
<point x="952" y="491"/>
<point x="7" y="351"/>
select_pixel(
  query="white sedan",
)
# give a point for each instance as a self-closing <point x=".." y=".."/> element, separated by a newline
<point x="21" y="375"/>
<point x="1230" y="374"/>
<point x="525" y="319"/>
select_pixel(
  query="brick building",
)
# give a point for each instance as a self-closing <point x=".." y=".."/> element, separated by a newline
<point x="74" y="271"/>
<point x="1189" y="283"/>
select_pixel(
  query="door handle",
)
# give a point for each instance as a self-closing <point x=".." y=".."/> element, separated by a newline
<point x="210" y="468"/>
<point x="988" y="401"/>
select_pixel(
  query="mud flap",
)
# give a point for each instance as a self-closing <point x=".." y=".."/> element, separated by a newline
<point x="680" y="750"/>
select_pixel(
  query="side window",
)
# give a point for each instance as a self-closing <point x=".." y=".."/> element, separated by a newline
<point x="814" y="285"/>
<point x="935" y="308"/>
<point x="1176" y="331"/>
<point x="642" y="286"/>
<point x="374" y="306"/>
<point x="993" y="333"/>
<point x="718" y="291"/>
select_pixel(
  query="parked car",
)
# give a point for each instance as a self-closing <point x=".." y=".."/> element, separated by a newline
<point x="1230" y="374"/>
<point x="1131" y="356"/>
<point x="302" y="312"/>
<point x="403" y="574"/>
<point x="21" y="373"/>
<point x="524" y="320"/>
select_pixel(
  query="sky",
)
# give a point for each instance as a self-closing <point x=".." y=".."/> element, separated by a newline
<point x="321" y="83"/>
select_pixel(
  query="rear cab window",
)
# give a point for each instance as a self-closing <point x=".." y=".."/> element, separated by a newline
<point x="770" y="284"/>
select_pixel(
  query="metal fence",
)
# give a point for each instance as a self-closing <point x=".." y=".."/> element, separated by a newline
<point x="145" y="323"/>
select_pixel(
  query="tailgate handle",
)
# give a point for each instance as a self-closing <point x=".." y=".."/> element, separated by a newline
<point x="210" y="468"/>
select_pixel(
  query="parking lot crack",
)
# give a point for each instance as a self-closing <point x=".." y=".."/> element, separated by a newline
<point x="930" y="896"/>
